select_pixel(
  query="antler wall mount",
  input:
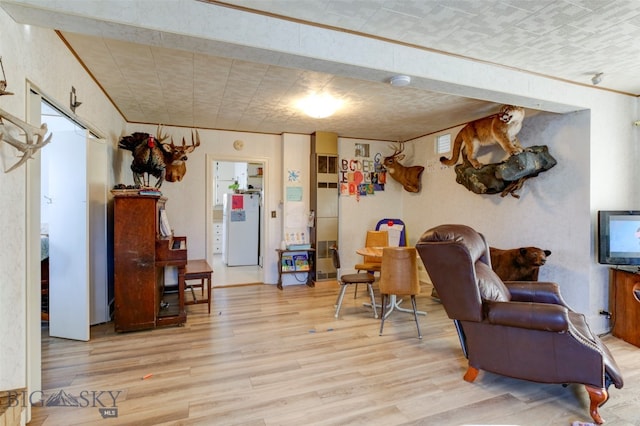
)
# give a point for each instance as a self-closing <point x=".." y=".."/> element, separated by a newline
<point x="34" y="137"/>
<point x="3" y="81"/>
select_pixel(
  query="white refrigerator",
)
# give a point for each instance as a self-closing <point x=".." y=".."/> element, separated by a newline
<point x="241" y="229"/>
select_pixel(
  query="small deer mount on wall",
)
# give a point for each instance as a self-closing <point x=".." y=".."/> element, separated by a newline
<point x="408" y="177"/>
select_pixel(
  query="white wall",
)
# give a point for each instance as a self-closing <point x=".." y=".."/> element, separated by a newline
<point x="38" y="56"/>
<point x="296" y="157"/>
<point x="186" y="204"/>
<point x="555" y="210"/>
<point x="551" y="213"/>
<point x="606" y="155"/>
<point x="357" y="215"/>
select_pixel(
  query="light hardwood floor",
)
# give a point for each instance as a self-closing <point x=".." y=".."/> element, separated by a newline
<point x="270" y="357"/>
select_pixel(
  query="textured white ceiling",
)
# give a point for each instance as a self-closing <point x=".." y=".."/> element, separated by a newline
<point x="188" y="86"/>
<point x="159" y="85"/>
<point x="567" y="39"/>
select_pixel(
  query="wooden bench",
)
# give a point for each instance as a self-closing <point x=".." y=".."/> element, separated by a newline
<point x="198" y="270"/>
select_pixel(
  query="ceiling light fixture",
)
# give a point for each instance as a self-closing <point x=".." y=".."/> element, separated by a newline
<point x="319" y="105"/>
<point x="597" y="78"/>
<point x="400" y="80"/>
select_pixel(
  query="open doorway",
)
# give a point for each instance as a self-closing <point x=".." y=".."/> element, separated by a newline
<point x="235" y="222"/>
<point x="73" y="230"/>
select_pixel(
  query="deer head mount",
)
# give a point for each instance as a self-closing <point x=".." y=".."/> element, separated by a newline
<point x="408" y="177"/>
<point x="153" y="157"/>
<point x="34" y="137"/>
<point x="176" y="157"/>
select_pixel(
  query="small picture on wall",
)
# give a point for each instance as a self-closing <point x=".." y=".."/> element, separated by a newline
<point x="362" y="150"/>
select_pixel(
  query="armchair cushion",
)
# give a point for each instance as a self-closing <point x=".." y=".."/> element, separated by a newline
<point x="533" y="316"/>
<point x="535" y="291"/>
<point x="490" y="285"/>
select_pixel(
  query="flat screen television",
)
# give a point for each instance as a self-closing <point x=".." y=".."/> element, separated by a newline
<point x="619" y="237"/>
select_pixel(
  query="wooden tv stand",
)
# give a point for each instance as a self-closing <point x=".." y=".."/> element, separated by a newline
<point x="624" y="304"/>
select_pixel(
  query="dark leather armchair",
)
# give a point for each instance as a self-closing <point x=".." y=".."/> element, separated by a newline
<point x="520" y="329"/>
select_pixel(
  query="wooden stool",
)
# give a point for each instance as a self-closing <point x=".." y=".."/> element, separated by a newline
<point x="198" y="270"/>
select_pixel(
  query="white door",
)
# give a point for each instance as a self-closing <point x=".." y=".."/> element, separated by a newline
<point x="97" y="171"/>
<point x="68" y="236"/>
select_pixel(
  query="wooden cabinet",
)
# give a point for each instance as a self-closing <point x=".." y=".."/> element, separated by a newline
<point x="225" y="170"/>
<point x="225" y="175"/>
<point x="140" y="255"/>
<point x="217" y="237"/>
<point x="624" y="304"/>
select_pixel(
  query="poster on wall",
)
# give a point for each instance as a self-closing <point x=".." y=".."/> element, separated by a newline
<point x="361" y="176"/>
<point x="294" y="193"/>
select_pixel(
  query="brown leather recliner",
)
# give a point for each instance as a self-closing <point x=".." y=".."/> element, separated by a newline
<point x="522" y="329"/>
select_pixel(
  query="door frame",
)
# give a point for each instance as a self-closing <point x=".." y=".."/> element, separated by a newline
<point x="209" y="173"/>
<point x="33" y="98"/>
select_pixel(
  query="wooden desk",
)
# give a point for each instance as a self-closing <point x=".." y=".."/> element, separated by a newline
<point x="198" y="270"/>
<point x="311" y="273"/>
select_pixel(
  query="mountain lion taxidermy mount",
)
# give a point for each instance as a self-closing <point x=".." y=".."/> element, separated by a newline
<point x="500" y="128"/>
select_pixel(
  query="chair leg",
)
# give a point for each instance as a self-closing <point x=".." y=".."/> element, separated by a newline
<point x="373" y="301"/>
<point x="335" y="305"/>
<point x="340" y="297"/>
<point x="597" y="397"/>
<point x="471" y="374"/>
<point x="385" y="299"/>
<point x="355" y="293"/>
<point x="415" y="314"/>
<point x="462" y="338"/>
